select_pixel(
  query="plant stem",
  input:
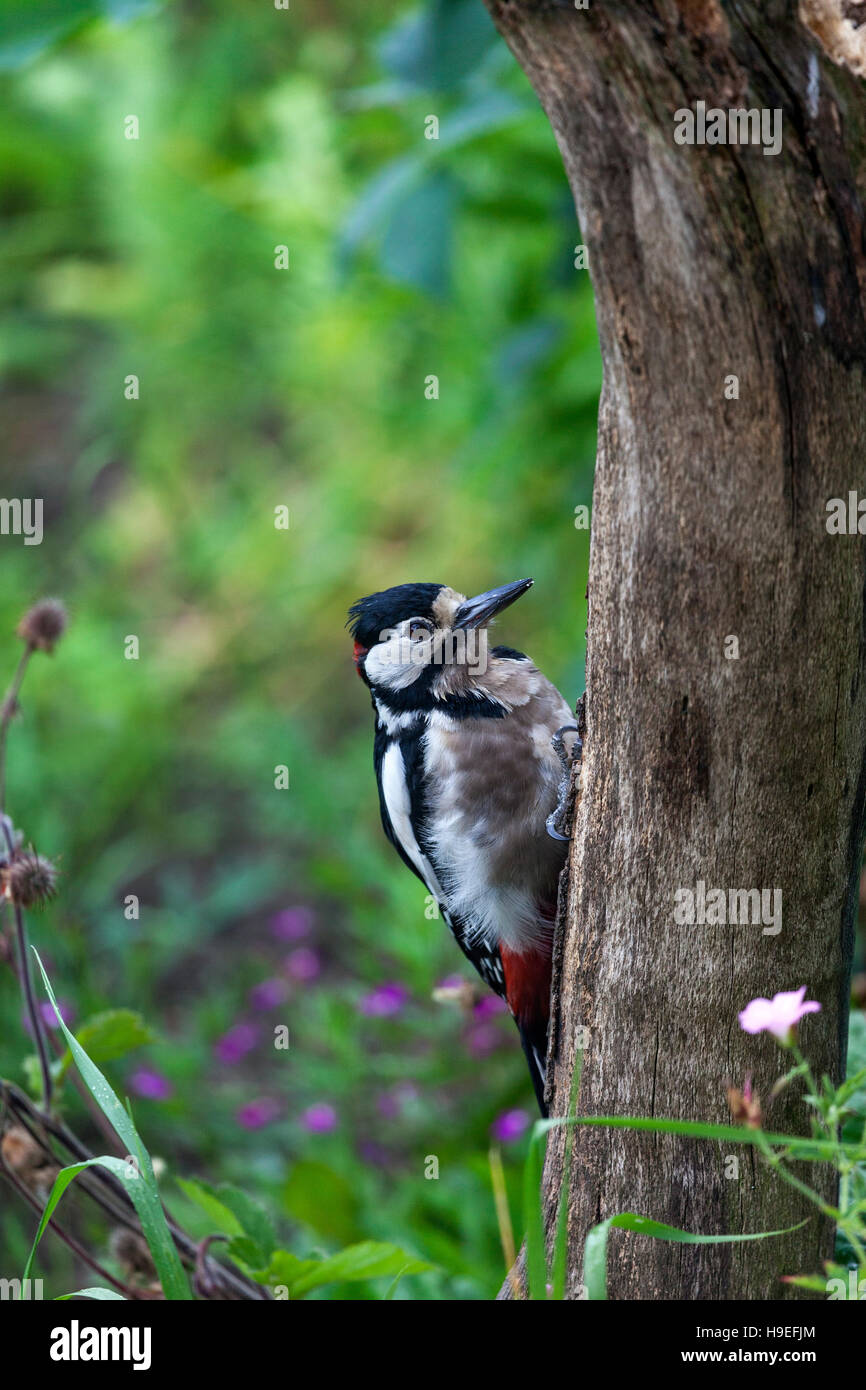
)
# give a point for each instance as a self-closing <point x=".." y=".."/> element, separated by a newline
<point x="778" y="1166"/>
<point x="32" y="1009"/>
<point x="10" y="701"/>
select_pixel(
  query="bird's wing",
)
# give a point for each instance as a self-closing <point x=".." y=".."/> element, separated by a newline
<point x="400" y="776"/>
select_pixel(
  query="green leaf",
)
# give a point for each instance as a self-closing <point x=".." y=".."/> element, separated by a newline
<point x="61" y="1182"/>
<point x="807" y="1281"/>
<point x="246" y="1252"/>
<point x="234" y="1214"/>
<point x="595" y="1250"/>
<point x="142" y="1189"/>
<point x="856" y="1042"/>
<point x="322" y="1199"/>
<point x="97" y="1293"/>
<point x="253" y="1219"/>
<point x="368" y="1260"/>
<point x="29" y="27"/>
<point x="800" y="1146"/>
<point x="533" y="1220"/>
<point x="438" y="45"/>
<point x="110" y="1035"/>
<point x="224" y="1221"/>
<point x="398" y="195"/>
<point x="417" y="246"/>
<point x="284" y="1270"/>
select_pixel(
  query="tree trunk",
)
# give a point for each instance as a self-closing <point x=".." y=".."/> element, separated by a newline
<point x="736" y="763"/>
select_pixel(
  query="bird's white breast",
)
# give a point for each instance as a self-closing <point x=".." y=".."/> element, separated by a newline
<point x="398" y="805"/>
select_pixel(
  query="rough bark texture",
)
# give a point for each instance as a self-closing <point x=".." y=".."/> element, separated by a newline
<point x="709" y="520"/>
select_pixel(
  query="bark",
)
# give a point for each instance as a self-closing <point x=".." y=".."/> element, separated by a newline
<point x="709" y="521"/>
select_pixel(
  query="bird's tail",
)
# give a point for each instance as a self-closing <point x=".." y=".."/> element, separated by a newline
<point x="527" y="990"/>
<point x="534" y="1040"/>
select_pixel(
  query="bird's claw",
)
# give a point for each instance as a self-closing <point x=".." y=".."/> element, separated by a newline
<point x="556" y="819"/>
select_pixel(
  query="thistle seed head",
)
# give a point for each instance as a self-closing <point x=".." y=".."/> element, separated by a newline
<point x="43" y="625"/>
<point x="29" y="880"/>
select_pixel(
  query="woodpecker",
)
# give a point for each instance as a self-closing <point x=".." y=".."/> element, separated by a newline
<point x="471" y="757"/>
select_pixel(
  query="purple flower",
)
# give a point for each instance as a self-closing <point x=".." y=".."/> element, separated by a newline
<point x="510" y="1125"/>
<point x="292" y="923"/>
<point x="779" y="1015"/>
<point x="384" y="1001"/>
<point x="451" y="982"/>
<point x="150" y="1084"/>
<point x="483" y="1039"/>
<point x="303" y="964"/>
<point x="49" y="1017"/>
<point x="257" y="1113"/>
<point x="320" y="1118"/>
<point x="234" y="1045"/>
<point x="490" y="1007"/>
<point x="268" y="994"/>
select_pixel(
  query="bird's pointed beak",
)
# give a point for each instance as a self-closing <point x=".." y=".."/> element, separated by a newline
<point x="475" y="612"/>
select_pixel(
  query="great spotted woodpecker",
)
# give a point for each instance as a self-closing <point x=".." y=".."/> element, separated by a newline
<point x="469" y="756"/>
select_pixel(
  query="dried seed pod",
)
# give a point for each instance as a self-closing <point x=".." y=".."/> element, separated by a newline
<point x="28" y="879"/>
<point x="28" y="1161"/>
<point x="43" y="625"/>
<point x="132" y="1253"/>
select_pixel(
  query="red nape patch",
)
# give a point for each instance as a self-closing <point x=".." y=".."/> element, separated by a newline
<point x="357" y="656"/>
<point x="527" y="985"/>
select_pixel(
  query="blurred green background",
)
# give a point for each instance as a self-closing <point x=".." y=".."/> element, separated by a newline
<point x="258" y="388"/>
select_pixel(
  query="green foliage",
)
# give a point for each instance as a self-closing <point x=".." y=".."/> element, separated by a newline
<point x="109" y="1035"/>
<point x="136" y="1171"/>
<point x="154" y="778"/>
<point x="233" y="1213"/>
<point x="595" y="1252"/>
<point x="833" y="1108"/>
<point x="296" y="1278"/>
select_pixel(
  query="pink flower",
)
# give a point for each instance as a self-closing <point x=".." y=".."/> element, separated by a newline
<point x="490" y="1006"/>
<point x="150" y="1084"/>
<point x="292" y="924"/>
<point x="483" y="1039"/>
<point x="509" y="1126"/>
<point x="49" y="1017"/>
<point x="268" y="994"/>
<point x="302" y="964"/>
<point x="234" y="1045"/>
<point x="451" y="982"/>
<point x="779" y="1015"/>
<point x="383" y="1002"/>
<point x="257" y="1113"/>
<point x="320" y="1118"/>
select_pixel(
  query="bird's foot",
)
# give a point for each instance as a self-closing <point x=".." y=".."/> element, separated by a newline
<point x="556" y="821"/>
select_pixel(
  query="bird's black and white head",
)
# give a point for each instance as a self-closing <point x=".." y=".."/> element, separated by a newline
<point x="424" y="646"/>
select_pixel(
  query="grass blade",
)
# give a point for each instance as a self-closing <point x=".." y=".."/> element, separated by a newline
<point x="595" y="1250"/>
<point x="138" y="1177"/>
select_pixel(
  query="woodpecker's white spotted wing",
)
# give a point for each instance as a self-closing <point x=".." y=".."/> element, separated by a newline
<point x="400" y="779"/>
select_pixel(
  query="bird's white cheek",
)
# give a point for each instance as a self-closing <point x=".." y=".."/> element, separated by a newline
<point x="394" y="665"/>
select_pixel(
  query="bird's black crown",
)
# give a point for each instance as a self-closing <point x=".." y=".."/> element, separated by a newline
<point x="371" y="616"/>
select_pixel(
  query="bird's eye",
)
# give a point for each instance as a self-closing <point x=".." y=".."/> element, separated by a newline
<point x="419" y="628"/>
